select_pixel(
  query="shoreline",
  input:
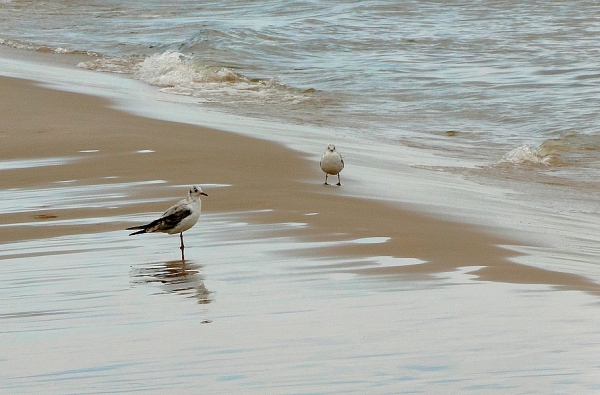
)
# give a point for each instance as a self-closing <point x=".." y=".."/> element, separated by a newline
<point x="459" y="255"/>
<point x="253" y="175"/>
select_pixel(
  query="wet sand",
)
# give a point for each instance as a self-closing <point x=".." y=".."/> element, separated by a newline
<point x="101" y="144"/>
<point x="297" y="287"/>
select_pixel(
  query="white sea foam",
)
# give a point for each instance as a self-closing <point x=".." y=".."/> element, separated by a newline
<point x="526" y="155"/>
<point x="114" y="64"/>
<point x="181" y="74"/>
<point x="168" y="69"/>
<point x="18" y="45"/>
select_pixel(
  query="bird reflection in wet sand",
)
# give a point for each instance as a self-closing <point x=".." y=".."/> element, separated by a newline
<point x="176" y="277"/>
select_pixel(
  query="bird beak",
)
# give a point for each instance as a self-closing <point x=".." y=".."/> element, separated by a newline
<point x="202" y="193"/>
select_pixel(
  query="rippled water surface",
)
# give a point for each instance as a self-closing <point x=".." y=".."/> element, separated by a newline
<point x="108" y="313"/>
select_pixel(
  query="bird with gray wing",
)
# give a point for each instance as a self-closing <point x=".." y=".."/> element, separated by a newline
<point x="177" y="219"/>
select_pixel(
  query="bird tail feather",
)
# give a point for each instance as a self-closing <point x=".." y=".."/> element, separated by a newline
<point x="143" y="228"/>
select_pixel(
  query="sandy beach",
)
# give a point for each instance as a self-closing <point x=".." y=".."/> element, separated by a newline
<point x="267" y="205"/>
<point x="103" y="144"/>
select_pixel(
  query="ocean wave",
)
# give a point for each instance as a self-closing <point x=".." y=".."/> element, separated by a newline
<point x="119" y="65"/>
<point x="172" y="69"/>
<point x="42" y="48"/>
<point x="23" y="45"/>
<point x="526" y="155"/>
<point x="573" y="150"/>
<point x="178" y="73"/>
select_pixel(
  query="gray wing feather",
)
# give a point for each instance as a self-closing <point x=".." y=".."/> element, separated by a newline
<point x="164" y="223"/>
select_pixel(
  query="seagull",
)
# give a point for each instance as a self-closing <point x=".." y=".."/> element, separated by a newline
<point x="178" y="218"/>
<point x="332" y="163"/>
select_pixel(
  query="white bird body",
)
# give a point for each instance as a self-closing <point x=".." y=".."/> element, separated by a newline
<point x="178" y="218"/>
<point x="332" y="163"/>
<point x="193" y="204"/>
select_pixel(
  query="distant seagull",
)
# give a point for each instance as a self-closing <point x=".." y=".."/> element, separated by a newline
<point x="178" y="218"/>
<point x="332" y="163"/>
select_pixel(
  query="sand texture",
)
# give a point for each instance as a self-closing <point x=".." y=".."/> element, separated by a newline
<point x="272" y="184"/>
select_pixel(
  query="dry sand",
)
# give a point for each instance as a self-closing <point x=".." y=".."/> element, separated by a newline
<point x="42" y="123"/>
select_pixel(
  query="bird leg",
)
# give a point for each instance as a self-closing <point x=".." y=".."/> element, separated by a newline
<point x="326" y="179"/>
<point x="339" y="184"/>
<point x="182" y="247"/>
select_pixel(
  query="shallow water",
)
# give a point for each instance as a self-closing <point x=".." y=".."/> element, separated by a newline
<point x="109" y="313"/>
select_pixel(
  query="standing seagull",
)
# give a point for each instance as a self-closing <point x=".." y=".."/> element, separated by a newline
<point x="332" y="163"/>
<point x="178" y="218"/>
